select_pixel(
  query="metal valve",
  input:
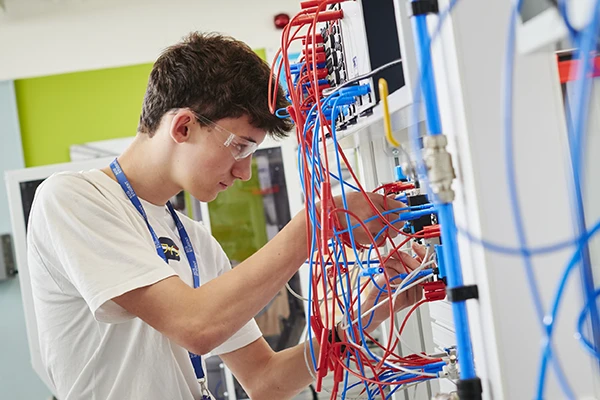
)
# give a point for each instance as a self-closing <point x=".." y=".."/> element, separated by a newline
<point x="439" y="167"/>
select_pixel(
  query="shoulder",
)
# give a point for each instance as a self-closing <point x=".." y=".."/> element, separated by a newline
<point x="63" y="186"/>
<point x="70" y="189"/>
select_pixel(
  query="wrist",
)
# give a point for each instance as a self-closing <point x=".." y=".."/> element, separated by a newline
<point x="375" y="321"/>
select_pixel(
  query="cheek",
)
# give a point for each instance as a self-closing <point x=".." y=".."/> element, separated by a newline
<point x="207" y="168"/>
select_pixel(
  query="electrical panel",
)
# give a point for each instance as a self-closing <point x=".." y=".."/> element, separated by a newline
<point x="347" y="57"/>
<point x="363" y="39"/>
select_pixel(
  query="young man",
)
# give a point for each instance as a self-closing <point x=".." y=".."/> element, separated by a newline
<point x="114" y="269"/>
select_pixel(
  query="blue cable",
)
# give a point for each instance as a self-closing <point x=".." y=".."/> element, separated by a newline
<point x="311" y="213"/>
<point x="515" y="205"/>
<point x="312" y="209"/>
<point x="554" y="313"/>
<point x="352" y="334"/>
<point x="562" y="10"/>
<point x="348" y="223"/>
<point x="517" y="251"/>
<point x="587" y="43"/>
<point x="445" y="211"/>
<point x="408" y="217"/>
<point x="580" y="334"/>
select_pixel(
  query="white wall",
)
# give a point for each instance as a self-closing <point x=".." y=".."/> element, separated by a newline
<point x="93" y="36"/>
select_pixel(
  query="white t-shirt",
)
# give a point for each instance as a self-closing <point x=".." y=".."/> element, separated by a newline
<point x="87" y="245"/>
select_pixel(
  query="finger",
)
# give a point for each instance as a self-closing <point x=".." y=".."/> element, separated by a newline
<point x="420" y="250"/>
<point x="393" y="217"/>
<point x="410" y="262"/>
<point x="393" y="204"/>
<point x="417" y="293"/>
<point x="394" y="267"/>
<point x="386" y="202"/>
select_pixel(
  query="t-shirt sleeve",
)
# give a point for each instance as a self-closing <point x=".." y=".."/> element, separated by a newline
<point x="94" y="244"/>
<point x="249" y="332"/>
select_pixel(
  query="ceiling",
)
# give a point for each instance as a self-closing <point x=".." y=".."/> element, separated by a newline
<point x="24" y="9"/>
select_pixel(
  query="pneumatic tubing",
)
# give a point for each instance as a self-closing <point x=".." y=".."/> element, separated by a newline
<point x="445" y="211"/>
<point x="515" y="206"/>
<point x="587" y="43"/>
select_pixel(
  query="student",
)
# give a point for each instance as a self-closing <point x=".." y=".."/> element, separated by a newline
<point x="114" y="267"/>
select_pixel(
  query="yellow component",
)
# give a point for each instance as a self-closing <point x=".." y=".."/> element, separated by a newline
<point x="387" y="122"/>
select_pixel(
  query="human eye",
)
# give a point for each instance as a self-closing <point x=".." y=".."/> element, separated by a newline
<point x="238" y="146"/>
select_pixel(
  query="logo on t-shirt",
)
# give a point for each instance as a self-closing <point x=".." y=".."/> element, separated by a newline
<point x="170" y="248"/>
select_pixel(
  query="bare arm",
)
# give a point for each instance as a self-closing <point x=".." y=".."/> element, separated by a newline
<point x="203" y="318"/>
<point x="268" y="375"/>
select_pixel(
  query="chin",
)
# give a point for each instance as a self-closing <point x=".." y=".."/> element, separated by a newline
<point x="206" y="197"/>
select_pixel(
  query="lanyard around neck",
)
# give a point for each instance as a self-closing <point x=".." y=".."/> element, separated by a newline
<point x="185" y="240"/>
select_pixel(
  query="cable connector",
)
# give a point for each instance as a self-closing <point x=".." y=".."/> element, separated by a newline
<point x="322" y="17"/>
<point x="370" y="271"/>
<point x="358" y="90"/>
<point x="434" y="291"/>
<point x="439" y="167"/>
<point x="450" y="370"/>
<point x="397" y="187"/>
<point x="430" y="231"/>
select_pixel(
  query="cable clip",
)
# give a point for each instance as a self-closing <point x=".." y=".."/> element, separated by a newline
<point x="463" y="293"/>
<point x="423" y="7"/>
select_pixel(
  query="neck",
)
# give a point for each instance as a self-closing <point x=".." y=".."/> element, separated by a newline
<point x="147" y="172"/>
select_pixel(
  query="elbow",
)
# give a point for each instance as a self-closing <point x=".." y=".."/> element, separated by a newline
<point x="199" y="348"/>
<point x="260" y="389"/>
<point x="203" y="339"/>
<point x="263" y="391"/>
<point x="264" y="385"/>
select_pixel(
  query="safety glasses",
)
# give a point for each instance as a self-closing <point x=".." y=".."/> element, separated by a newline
<point x="239" y="147"/>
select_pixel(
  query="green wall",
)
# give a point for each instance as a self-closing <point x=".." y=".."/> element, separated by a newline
<point x="58" y="111"/>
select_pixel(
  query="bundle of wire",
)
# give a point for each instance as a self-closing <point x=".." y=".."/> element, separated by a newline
<point x="340" y="268"/>
<point x="335" y="279"/>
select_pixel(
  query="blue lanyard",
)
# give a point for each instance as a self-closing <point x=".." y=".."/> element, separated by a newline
<point x="185" y="240"/>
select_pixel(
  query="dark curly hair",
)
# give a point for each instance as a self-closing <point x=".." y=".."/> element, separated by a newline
<point x="217" y="77"/>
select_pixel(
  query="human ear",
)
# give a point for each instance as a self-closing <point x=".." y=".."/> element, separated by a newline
<point x="181" y="125"/>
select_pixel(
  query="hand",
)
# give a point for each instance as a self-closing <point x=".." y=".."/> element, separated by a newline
<point x="405" y="299"/>
<point x="360" y="207"/>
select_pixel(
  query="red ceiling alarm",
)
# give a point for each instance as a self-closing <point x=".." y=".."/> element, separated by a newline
<point x="281" y="20"/>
